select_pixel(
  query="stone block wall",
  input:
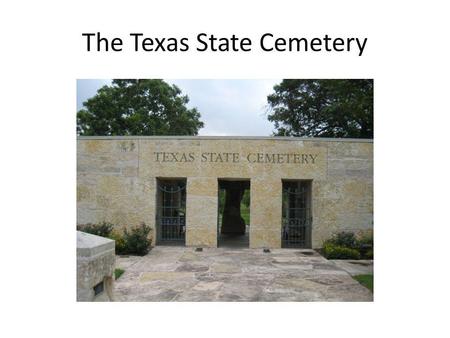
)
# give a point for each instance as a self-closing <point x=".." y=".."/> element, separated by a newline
<point x="95" y="267"/>
<point x="201" y="211"/>
<point x="116" y="182"/>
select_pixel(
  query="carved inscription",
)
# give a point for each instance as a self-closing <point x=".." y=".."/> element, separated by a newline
<point x="275" y="158"/>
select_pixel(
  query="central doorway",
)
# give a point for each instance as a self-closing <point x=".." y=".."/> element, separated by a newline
<point x="233" y="219"/>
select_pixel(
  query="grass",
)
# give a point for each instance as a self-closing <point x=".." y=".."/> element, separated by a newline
<point x="245" y="213"/>
<point x="366" y="280"/>
<point x="118" y="273"/>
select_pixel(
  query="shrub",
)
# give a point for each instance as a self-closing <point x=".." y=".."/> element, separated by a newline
<point x="368" y="254"/>
<point x="103" y="229"/>
<point x="136" y="239"/>
<point x="365" y="245"/>
<point x="346" y="245"/>
<point x="345" y="239"/>
<point x="133" y="241"/>
<point x="121" y="245"/>
<point x="333" y="251"/>
<point x="366" y="238"/>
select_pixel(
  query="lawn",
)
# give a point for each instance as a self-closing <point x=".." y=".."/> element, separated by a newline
<point x="245" y="213"/>
<point x="366" y="280"/>
<point x="118" y="273"/>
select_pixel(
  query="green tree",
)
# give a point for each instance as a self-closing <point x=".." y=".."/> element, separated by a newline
<point x="322" y="108"/>
<point x="138" y="107"/>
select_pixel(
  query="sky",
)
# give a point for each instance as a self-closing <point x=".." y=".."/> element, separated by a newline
<point x="227" y="107"/>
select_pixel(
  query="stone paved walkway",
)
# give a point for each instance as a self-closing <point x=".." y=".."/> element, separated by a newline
<point x="223" y="274"/>
<point x="355" y="267"/>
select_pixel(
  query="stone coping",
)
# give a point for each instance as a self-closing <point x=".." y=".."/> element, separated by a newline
<point x="90" y="245"/>
<point x="278" y="138"/>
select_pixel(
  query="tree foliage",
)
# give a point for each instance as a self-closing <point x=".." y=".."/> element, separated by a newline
<point x="322" y="108"/>
<point x="138" y="107"/>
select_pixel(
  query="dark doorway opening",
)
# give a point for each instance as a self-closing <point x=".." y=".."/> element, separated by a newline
<point x="296" y="214"/>
<point x="233" y="213"/>
<point x="171" y="211"/>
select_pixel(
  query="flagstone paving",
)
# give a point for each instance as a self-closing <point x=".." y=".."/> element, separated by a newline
<point x="224" y="274"/>
<point x="355" y="267"/>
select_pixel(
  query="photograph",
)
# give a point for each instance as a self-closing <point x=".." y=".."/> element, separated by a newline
<point x="209" y="190"/>
<point x="197" y="168"/>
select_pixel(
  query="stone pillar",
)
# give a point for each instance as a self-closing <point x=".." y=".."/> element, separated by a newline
<point x="95" y="268"/>
<point x="201" y="212"/>
<point x="265" y="212"/>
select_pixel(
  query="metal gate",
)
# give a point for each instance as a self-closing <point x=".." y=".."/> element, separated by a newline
<point x="296" y="214"/>
<point x="171" y="211"/>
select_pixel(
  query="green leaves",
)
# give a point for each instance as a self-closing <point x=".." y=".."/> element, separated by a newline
<point x="138" y="107"/>
<point x="322" y="108"/>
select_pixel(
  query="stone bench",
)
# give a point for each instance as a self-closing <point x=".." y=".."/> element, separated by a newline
<point x="95" y="268"/>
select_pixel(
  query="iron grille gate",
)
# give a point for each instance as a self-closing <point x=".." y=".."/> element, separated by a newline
<point x="171" y="211"/>
<point x="297" y="218"/>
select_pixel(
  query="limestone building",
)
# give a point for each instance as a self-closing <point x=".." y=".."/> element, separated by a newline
<point x="210" y="191"/>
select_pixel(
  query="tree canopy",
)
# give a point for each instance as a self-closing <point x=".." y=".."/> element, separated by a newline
<point x="138" y="107"/>
<point x="322" y="108"/>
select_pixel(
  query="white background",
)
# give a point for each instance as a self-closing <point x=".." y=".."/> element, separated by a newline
<point x="42" y="55"/>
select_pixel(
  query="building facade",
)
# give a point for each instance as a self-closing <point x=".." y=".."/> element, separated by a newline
<point x="193" y="190"/>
